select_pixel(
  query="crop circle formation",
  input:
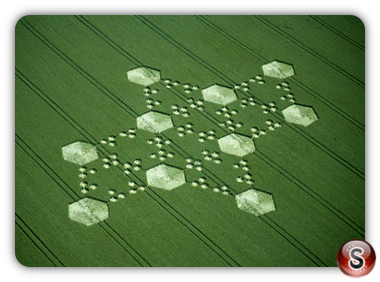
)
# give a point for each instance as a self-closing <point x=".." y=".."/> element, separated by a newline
<point x="90" y="210"/>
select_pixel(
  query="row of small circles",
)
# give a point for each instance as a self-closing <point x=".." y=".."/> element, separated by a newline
<point x="245" y="84"/>
<point x="186" y="129"/>
<point x="191" y="163"/>
<point x="86" y="187"/>
<point x="245" y="102"/>
<point x="183" y="111"/>
<point x="148" y="92"/>
<point x="151" y="103"/>
<point x="115" y="196"/>
<point x="203" y="136"/>
<point x="160" y="143"/>
<point x="250" y="101"/>
<point x="83" y="172"/>
<point x="289" y="96"/>
<point x="83" y="184"/>
<point x="229" y="123"/>
<point x="196" y="104"/>
<point x="131" y="133"/>
<point x="226" y="112"/>
<point x="162" y="155"/>
<point x="270" y="107"/>
<point x="135" y="165"/>
<point x="247" y="177"/>
<point x="214" y="156"/>
<point x="272" y="125"/>
<point x="266" y="108"/>
<point x="111" y="140"/>
<point x="256" y="133"/>
<point x="112" y="160"/>
<point x="285" y="86"/>
<point x="204" y="185"/>
<point x="188" y="88"/>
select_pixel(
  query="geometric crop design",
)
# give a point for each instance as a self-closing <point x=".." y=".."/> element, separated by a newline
<point x="168" y="165"/>
<point x="154" y="122"/>
<point x="219" y="94"/>
<point x="278" y="69"/>
<point x="301" y="115"/>
<point x="165" y="177"/>
<point x="88" y="211"/>
<point x="255" y="202"/>
<point x="79" y="153"/>
<point x="236" y="144"/>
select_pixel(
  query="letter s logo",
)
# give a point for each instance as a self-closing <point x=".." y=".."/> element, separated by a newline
<point x="356" y="261"/>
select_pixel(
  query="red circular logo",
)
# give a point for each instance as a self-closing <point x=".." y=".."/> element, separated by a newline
<point x="356" y="258"/>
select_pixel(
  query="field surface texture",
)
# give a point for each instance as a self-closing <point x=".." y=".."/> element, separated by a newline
<point x="188" y="140"/>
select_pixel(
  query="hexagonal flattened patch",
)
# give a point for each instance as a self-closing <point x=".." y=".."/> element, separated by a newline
<point x="301" y="115"/>
<point x="165" y="177"/>
<point x="219" y="94"/>
<point x="80" y="153"/>
<point x="144" y="76"/>
<point x="255" y="202"/>
<point x="88" y="211"/>
<point x="154" y="122"/>
<point x="278" y="69"/>
<point x="236" y="144"/>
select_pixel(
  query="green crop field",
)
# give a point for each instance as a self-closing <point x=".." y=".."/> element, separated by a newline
<point x="257" y="171"/>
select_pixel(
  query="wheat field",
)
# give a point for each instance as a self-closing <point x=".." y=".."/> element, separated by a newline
<point x="71" y="84"/>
